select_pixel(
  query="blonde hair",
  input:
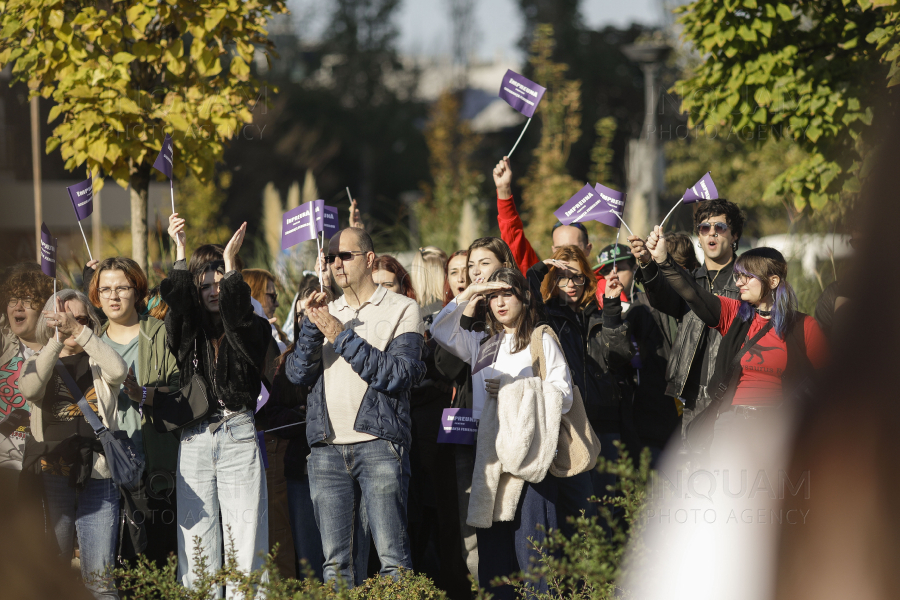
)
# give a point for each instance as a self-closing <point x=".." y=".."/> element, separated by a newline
<point x="429" y="274"/>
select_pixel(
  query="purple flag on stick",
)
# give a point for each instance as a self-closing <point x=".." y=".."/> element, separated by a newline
<point x="585" y="205"/>
<point x="613" y="202"/>
<point x="82" y="196"/>
<point x="298" y="225"/>
<point x="521" y="93"/>
<point x="166" y="157"/>
<point x="458" y="426"/>
<point x="48" y="252"/>
<point x="330" y="224"/>
<point x="704" y="189"/>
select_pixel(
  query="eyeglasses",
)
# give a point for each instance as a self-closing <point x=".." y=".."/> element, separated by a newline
<point x="577" y="280"/>
<point x="741" y="278"/>
<point x="83" y="320"/>
<point x="121" y="292"/>
<point x="705" y="228"/>
<point x="273" y="296"/>
<point x="26" y="303"/>
<point x="344" y="256"/>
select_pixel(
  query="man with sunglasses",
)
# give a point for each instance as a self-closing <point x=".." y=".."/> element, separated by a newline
<point x="361" y="355"/>
<point x="719" y="225"/>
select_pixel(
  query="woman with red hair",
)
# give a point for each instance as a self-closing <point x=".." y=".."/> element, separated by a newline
<point x="391" y="275"/>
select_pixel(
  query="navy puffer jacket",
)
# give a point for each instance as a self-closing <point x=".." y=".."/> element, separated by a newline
<point x="390" y="374"/>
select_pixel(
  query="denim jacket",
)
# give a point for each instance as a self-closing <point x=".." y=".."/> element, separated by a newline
<point x="390" y="374"/>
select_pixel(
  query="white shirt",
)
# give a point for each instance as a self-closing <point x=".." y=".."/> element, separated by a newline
<point x="465" y="344"/>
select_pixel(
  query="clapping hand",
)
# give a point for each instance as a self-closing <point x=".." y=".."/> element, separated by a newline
<point x="233" y="247"/>
<point x="325" y="321"/>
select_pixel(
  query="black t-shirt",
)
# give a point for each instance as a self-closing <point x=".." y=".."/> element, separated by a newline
<point x="62" y="418"/>
<point x="699" y="373"/>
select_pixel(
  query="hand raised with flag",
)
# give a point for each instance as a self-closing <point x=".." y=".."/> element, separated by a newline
<point x="503" y="178"/>
<point x="639" y="250"/>
<point x="356" y="216"/>
<point x="233" y="247"/>
<point x="176" y="232"/>
<point x="656" y="244"/>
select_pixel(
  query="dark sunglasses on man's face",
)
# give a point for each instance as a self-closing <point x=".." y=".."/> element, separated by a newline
<point x="344" y="256"/>
<point x="706" y="228"/>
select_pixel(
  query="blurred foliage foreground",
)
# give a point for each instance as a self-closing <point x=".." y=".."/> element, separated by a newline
<point x="586" y="566"/>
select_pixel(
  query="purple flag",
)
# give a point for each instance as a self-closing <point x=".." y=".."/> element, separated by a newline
<point x="458" y="426"/>
<point x="585" y="205"/>
<point x="613" y="202"/>
<point x="82" y="196"/>
<point x="704" y="189"/>
<point x="487" y="353"/>
<point x="48" y="252"/>
<point x="522" y="94"/>
<point x="166" y="158"/>
<point x="330" y="224"/>
<point x="298" y="225"/>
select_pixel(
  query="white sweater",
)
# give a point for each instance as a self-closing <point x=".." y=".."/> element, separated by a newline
<point x="465" y="345"/>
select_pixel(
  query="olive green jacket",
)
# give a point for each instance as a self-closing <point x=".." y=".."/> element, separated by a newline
<point x="156" y="368"/>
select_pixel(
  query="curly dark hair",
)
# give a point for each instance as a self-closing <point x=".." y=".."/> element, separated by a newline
<point x="23" y="281"/>
<point x="733" y="215"/>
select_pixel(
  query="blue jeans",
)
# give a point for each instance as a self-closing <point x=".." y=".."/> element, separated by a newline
<point x="93" y="513"/>
<point x="221" y="474"/>
<point x="307" y="541"/>
<point x="345" y="478"/>
<point x="504" y="549"/>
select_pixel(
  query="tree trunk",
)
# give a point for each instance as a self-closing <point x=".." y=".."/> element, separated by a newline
<point x="140" y="185"/>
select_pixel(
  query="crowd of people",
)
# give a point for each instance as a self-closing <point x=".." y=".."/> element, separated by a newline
<point x="321" y="435"/>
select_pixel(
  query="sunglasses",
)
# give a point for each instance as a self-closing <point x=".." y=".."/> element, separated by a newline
<point x="705" y="228"/>
<point x="625" y="264"/>
<point x="344" y="256"/>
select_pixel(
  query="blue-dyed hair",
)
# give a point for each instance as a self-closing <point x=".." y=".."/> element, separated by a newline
<point x="761" y="264"/>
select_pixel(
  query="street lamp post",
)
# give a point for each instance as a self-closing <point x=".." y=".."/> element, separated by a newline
<point x="645" y="161"/>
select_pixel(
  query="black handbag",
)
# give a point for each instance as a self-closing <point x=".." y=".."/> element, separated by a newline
<point x="698" y="434"/>
<point x="183" y="407"/>
<point x="125" y="465"/>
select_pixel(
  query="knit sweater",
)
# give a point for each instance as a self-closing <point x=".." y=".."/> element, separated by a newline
<point x="108" y="370"/>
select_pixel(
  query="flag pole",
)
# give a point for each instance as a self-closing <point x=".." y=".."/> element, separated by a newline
<point x="349" y="197"/>
<point x="670" y="212"/>
<point x="172" y="194"/>
<point x="85" y="240"/>
<point x="622" y="221"/>
<point x="528" y="122"/>
<point x="616" y="251"/>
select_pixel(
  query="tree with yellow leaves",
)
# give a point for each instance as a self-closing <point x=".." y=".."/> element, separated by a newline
<point x="123" y="73"/>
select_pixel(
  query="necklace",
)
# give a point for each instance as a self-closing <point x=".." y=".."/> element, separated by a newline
<point x="763" y="313"/>
<point x="712" y="283"/>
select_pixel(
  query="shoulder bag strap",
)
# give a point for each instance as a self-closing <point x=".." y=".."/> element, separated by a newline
<point x="89" y="415"/>
<point x="734" y="367"/>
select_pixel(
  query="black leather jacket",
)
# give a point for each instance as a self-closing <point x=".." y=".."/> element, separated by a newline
<point x="665" y="299"/>
<point x="597" y="348"/>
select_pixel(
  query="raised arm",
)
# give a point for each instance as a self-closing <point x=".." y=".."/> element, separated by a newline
<point x="37" y="371"/>
<point x="704" y="303"/>
<point x="447" y="330"/>
<point x="659" y="293"/>
<point x="512" y="231"/>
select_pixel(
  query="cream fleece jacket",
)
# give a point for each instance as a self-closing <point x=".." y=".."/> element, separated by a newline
<point x="108" y="370"/>
<point x="517" y="438"/>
